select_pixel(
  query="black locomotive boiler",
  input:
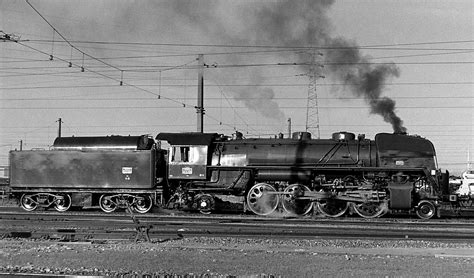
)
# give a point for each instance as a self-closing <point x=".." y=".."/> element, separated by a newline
<point x="393" y="172"/>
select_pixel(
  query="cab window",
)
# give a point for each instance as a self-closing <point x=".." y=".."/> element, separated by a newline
<point x="188" y="154"/>
<point x="180" y="154"/>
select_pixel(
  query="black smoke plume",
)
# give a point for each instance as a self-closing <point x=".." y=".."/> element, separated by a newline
<point x="305" y="23"/>
<point x="294" y="24"/>
<point x="364" y="79"/>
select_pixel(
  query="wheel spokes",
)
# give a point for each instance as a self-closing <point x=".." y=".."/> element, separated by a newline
<point x="294" y="206"/>
<point x="28" y="202"/>
<point x="260" y="202"/>
<point x="107" y="204"/>
<point x="371" y="209"/>
<point x="333" y="208"/>
<point x="62" y="202"/>
<point x="142" y="204"/>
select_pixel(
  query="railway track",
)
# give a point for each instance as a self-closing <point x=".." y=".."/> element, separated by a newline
<point x="96" y="226"/>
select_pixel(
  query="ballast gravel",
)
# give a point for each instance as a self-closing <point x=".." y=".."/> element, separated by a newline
<point x="238" y="257"/>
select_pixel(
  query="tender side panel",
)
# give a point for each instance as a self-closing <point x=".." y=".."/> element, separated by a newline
<point x="77" y="169"/>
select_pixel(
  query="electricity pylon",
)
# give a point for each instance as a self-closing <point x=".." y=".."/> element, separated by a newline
<point x="312" y="108"/>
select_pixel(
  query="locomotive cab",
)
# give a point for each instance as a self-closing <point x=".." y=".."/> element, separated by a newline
<point x="187" y="162"/>
<point x="188" y="154"/>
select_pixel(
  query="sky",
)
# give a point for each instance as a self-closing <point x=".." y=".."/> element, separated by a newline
<point x="115" y="67"/>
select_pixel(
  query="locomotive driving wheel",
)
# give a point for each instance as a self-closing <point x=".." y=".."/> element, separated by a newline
<point x="290" y="202"/>
<point x="142" y="203"/>
<point x="333" y="208"/>
<point x="62" y="202"/>
<point x="259" y="201"/>
<point x="107" y="204"/>
<point x="371" y="209"/>
<point x="28" y="202"/>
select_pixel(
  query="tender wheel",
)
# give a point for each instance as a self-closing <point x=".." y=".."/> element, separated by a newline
<point x="371" y="209"/>
<point x="62" y="202"/>
<point x="143" y="204"/>
<point x="261" y="203"/>
<point x="333" y="208"/>
<point x="28" y="202"/>
<point x="426" y="209"/>
<point x="293" y="205"/>
<point x="107" y="204"/>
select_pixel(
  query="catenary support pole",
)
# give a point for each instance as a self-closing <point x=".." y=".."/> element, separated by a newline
<point x="200" y="99"/>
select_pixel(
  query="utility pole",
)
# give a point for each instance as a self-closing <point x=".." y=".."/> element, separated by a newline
<point x="200" y="99"/>
<point x="59" y="127"/>
<point x="289" y="127"/>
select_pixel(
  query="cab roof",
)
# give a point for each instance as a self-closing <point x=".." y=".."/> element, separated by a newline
<point x="188" y="138"/>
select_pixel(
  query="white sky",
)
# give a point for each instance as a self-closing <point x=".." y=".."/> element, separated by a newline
<point x="431" y="42"/>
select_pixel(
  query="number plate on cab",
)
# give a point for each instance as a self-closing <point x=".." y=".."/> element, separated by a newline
<point x="187" y="171"/>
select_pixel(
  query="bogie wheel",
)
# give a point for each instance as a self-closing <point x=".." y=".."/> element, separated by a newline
<point x="28" y="202"/>
<point x="333" y="208"/>
<point x="107" y="204"/>
<point x="62" y="202"/>
<point x="205" y="203"/>
<point x="142" y="203"/>
<point x="294" y="206"/>
<point x="259" y="201"/>
<point x="371" y="209"/>
<point x="426" y="209"/>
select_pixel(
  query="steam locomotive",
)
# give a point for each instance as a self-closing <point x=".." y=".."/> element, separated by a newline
<point x="393" y="172"/>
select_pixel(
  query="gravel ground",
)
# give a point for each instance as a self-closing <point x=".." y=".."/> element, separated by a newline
<point x="239" y="257"/>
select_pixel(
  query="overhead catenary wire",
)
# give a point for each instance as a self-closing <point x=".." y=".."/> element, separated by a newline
<point x="226" y="85"/>
<point x="286" y="49"/>
<point x="120" y="81"/>
<point x="221" y="91"/>
<point x="107" y="76"/>
<point x="123" y="83"/>
<point x="66" y="40"/>
<point x="65" y="98"/>
<point x="235" y="107"/>
<point x="397" y="46"/>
